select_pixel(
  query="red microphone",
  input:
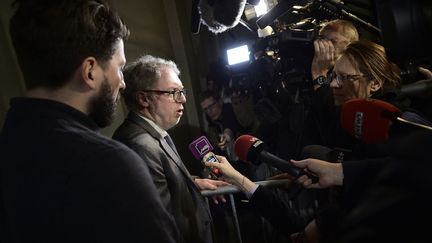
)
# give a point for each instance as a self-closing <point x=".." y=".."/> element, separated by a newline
<point x="243" y="144"/>
<point x="249" y="148"/>
<point x="369" y="120"/>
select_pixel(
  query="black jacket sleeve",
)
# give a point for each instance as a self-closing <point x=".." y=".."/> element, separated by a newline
<point x="358" y="177"/>
<point x="273" y="209"/>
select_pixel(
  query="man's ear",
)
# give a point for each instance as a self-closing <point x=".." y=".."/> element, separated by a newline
<point x="142" y="99"/>
<point x="375" y="85"/>
<point x="88" y="72"/>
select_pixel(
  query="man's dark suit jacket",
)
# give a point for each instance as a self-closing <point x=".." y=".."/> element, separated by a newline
<point x="176" y="187"/>
<point x="62" y="181"/>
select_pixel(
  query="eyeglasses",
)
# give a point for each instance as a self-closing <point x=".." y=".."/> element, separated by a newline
<point x="206" y="109"/>
<point x="176" y="93"/>
<point x="341" y="79"/>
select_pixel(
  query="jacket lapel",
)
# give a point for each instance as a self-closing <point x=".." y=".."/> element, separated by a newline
<point x="133" y="117"/>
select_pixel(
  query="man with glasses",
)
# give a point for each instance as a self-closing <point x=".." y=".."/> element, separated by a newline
<point x="334" y="37"/>
<point x="155" y="96"/>
<point x="222" y="122"/>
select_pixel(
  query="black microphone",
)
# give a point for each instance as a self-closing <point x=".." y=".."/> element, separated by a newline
<point x="249" y="148"/>
<point x="335" y="9"/>
<point x="195" y="18"/>
<point x="422" y="88"/>
<point x="328" y="10"/>
<point x="221" y="15"/>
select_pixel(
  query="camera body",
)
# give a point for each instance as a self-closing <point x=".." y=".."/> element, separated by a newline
<point x="279" y="68"/>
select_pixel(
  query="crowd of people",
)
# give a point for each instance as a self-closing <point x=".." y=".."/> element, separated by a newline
<point x="73" y="184"/>
<point x="344" y="67"/>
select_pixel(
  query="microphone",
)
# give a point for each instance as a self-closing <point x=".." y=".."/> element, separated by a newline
<point x="335" y="9"/>
<point x="421" y="88"/>
<point x="221" y="15"/>
<point x="201" y="148"/>
<point x="369" y="120"/>
<point x="195" y="18"/>
<point x="324" y="9"/>
<point x="249" y="148"/>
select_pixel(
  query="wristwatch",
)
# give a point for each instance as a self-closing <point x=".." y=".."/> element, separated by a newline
<point x="320" y="80"/>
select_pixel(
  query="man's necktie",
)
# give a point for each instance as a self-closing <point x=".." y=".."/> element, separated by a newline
<point x="180" y="162"/>
<point x="170" y="143"/>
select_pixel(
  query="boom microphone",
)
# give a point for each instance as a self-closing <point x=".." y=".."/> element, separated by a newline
<point x="195" y="17"/>
<point x="369" y="120"/>
<point x="249" y="148"/>
<point x="335" y="9"/>
<point x="221" y="15"/>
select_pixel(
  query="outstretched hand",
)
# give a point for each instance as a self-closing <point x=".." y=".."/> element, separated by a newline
<point x="231" y="175"/>
<point x="329" y="174"/>
<point x="228" y="172"/>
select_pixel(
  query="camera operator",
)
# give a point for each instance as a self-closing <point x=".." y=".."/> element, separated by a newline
<point x="334" y="37"/>
<point x="322" y="115"/>
<point x="362" y="71"/>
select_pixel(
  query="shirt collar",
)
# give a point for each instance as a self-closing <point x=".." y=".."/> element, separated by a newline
<point x="158" y="129"/>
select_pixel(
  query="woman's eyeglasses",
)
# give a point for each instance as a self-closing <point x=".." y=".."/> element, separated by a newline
<point x="341" y="79"/>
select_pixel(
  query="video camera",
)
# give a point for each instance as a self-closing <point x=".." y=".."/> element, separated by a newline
<point x="278" y="65"/>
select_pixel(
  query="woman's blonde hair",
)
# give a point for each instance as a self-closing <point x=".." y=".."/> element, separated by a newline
<point x="371" y="60"/>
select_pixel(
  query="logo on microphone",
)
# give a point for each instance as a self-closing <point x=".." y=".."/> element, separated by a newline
<point x="358" y="123"/>
<point x="256" y="142"/>
<point x="200" y="146"/>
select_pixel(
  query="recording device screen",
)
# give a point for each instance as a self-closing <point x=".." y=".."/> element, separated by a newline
<point x="210" y="157"/>
<point x="238" y="55"/>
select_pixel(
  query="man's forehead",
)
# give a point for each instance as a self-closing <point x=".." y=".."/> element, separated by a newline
<point x="119" y="55"/>
<point x="168" y="79"/>
<point x="333" y="36"/>
<point x="207" y="100"/>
